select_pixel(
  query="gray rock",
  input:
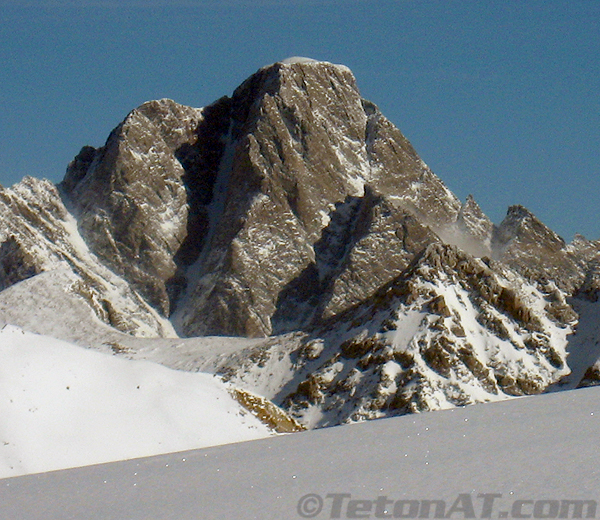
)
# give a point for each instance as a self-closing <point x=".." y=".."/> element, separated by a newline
<point x="16" y="263"/>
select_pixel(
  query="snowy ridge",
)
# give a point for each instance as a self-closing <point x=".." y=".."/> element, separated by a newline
<point x="41" y="236"/>
<point x="449" y="332"/>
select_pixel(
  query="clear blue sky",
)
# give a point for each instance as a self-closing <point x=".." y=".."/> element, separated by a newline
<point x="500" y="98"/>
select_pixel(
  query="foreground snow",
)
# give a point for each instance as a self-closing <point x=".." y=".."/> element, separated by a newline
<point x="64" y="406"/>
<point x="541" y="450"/>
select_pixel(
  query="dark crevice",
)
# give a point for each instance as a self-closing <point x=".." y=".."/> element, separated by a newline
<point x="16" y="264"/>
<point x="201" y="162"/>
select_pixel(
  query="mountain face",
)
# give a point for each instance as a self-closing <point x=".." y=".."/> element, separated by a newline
<point x="263" y="202"/>
<point x="295" y="210"/>
<point x="450" y="330"/>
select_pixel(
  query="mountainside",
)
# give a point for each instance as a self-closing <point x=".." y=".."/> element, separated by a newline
<point x="39" y="235"/>
<point x="449" y="331"/>
<point x="291" y="182"/>
<point x="295" y="213"/>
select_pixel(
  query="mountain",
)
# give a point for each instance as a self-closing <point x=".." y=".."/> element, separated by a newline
<point x="293" y="216"/>
<point x="277" y="187"/>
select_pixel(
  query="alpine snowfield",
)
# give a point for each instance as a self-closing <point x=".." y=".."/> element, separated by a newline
<point x="531" y="455"/>
<point x="64" y="406"/>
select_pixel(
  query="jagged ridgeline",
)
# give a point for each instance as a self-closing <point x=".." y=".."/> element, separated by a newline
<point x="294" y="208"/>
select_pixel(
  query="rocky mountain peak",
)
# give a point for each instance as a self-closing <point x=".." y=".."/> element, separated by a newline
<point x="129" y="196"/>
<point x="293" y="208"/>
<point x="278" y="207"/>
<point x="526" y="244"/>
<point x="304" y="152"/>
<point x="217" y="216"/>
<point x="474" y="219"/>
<point x="522" y="225"/>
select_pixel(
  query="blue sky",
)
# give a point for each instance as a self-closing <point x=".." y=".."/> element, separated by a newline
<point x="500" y="98"/>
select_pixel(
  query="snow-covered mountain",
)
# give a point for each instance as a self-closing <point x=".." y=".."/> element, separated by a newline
<point x="289" y="239"/>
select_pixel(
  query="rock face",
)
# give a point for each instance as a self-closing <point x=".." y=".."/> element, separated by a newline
<point x="450" y="331"/>
<point x="306" y="185"/>
<point x="527" y="245"/>
<point x="229" y="218"/>
<point x="295" y="207"/>
<point x="17" y="263"/>
<point x="130" y="199"/>
<point x="38" y="235"/>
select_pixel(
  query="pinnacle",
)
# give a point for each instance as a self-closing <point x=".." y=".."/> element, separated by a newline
<point x="519" y="211"/>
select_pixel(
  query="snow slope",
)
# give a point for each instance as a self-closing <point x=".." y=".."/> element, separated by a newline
<point x="540" y="449"/>
<point x="64" y="406"/>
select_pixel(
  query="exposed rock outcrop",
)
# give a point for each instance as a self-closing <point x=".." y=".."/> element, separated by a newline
<point x="524" y="243"/>
<point x="130" y="199"/>
<point x="450" y="330"/>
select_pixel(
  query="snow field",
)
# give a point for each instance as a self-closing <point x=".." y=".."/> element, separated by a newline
<point x="64" y="406"/>
<point x="541" y="449"/>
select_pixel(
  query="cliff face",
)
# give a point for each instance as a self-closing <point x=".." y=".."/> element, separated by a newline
<point x="130" y="199"/>
<point x="450" y="330"/>
<point x="38" y="235"/>
<point x="312" y="182"/>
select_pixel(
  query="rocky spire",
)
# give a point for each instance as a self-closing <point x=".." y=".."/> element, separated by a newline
<point x="525" y="243"/>
<point x="473" y="221"/>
